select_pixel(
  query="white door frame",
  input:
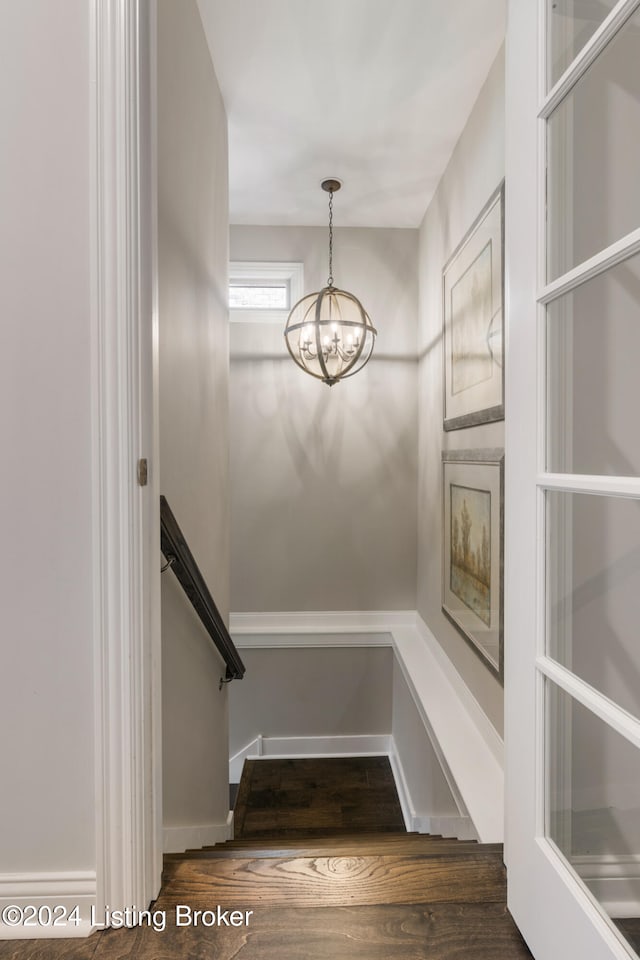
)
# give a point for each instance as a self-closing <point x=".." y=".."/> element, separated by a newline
<point x="124" y="416"/>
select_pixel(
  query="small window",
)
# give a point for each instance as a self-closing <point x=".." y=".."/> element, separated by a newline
<point x="253" y="296"/>
<point x="262" y="292"/>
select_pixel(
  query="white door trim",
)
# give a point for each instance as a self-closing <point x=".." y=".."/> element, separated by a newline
<point x="556" y="914"/>
<point x="125" y="592"/>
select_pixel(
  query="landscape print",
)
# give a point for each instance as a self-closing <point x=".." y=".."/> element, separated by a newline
<point x="470" y="557"/>
<point x="473" y="323"/>
<point x="471" y="314"/>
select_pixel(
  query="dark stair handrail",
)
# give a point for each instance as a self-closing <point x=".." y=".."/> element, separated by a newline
<point x="181" y="560"/>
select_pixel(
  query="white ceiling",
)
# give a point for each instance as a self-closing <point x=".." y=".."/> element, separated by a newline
<point x="374" y="92"/>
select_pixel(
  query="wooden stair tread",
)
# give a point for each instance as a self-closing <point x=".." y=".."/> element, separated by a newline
<point x="409" y="847"/>
<point x="334" y="881"/>
<point x="441" y="931"/>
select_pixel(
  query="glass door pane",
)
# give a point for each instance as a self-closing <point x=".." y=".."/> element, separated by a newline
<point x="593" y="586"/>
<point x="593" y="807"/>
<point x="593" y="395"/>
<point x="571" y="23"/>
<point x="594" y="156"/>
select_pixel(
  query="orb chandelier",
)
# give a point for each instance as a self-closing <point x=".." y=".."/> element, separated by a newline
<point x="329" y="334"/>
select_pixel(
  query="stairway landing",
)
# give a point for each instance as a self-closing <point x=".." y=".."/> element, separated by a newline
<point x="315" y="797"/>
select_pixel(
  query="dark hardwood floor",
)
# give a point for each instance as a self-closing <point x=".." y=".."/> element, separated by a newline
<point x="321" y="869"/>
<point x="313" y="798"/>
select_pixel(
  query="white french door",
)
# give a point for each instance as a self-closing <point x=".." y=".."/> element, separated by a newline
<point x="572" y="466"/>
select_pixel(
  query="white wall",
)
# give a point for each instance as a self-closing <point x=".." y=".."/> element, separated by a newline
<point x="193" y="357"/>
<point x="46" y="680"/>
<point x="475" y="170"/>
<point x="324" y="479"/>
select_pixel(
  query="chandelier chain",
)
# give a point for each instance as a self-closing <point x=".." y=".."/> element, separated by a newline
<point x="330" y="279"/>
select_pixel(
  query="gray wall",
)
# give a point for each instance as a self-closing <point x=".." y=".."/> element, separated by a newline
<point x="324" y="479"/>
<point x="46" y="581"/>
<point x="193" y="358"/>
<point x="316" y="692"/>
<point x="346" y="691"/>
<point x="474" y="171"/>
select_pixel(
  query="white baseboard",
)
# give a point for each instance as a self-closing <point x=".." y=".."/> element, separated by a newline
<point x="179" y="839"/>
<point x="619" y="897"/>
<point x="449" y="828"/>
<point x="613" y="880"/>
<point x="301" y="748"/>
<point x="459" y="828"/>
<point x="54" y="892"/>
<point x="404" y="794"/>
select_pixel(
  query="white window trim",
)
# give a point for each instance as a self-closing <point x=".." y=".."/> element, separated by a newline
<point x="267" y="271"/>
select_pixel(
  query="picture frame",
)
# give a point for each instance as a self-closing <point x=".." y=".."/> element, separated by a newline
<point x="473" y="550"/>
<point x="473" y="322"/>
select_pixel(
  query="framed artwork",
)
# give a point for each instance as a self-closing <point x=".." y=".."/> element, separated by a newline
<point x="473" y="544"/>
<point x="472" y="317"/>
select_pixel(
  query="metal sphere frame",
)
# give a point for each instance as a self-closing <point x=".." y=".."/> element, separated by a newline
<point x="329" y="334"/>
